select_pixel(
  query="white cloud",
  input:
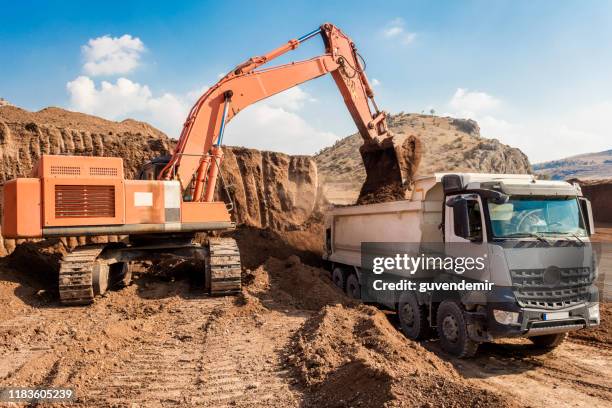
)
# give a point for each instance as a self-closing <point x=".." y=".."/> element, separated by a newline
<point x="125" y="99"/>
<point x="108" y="55"/>
<point x="540" y="137"/>
<point x="396" y="30"/>
<point x="375" y="82"/>
<point x="474" y="103"/>
<point x="273" y="124"/>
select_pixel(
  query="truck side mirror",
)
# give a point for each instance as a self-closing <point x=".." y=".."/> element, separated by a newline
<point x="585" y="205"/>
<point x="461" y="220"/>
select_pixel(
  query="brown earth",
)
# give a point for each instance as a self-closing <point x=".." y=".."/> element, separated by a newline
<point x="447" y="144"/>
<point x="599" y="192"/>
<point x="290" y="339"/>
<point x="355" y="357"/>
<point x="268" y="189"/>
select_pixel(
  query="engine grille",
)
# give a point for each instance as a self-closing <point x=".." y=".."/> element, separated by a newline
<point x="551" y="288"/>
<point x="84" y="201"/>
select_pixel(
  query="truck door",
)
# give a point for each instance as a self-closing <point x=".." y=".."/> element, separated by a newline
<point x="465" y="235"/>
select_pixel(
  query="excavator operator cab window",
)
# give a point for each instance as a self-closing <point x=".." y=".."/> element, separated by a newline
<point x="152" y="169"/>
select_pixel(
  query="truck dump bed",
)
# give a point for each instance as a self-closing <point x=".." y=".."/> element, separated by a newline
<point x="413" y="220"/>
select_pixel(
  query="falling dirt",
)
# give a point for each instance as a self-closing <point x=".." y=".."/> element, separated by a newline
<point x="389" y="170"/>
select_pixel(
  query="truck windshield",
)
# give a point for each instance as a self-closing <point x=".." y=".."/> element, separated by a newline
<point x="535" y="216"/>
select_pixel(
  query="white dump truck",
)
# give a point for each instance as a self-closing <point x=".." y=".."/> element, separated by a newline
<point x="532" y="268"/>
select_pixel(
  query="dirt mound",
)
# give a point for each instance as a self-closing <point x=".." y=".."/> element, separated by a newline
<point x="270" y="189"/>
<point x="293" y="284"/>
<point x="447" y="144"/>
<point x="599" y="192"/>
<point x="601" y="334"/>
<point x="355" y="357"/>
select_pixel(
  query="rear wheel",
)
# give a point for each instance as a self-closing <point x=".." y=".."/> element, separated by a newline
<point x="413" y="317"/>
<point x="452" y="331"/>
<point x="548" y="341"/>
<point x="338" y="278"/>
<point x="353" y="288"/>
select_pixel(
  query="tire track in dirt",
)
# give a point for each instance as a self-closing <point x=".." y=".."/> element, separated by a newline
<point x="572" y="375"/>
<point x="243" y="364"/>
<point x="163" y="367"/>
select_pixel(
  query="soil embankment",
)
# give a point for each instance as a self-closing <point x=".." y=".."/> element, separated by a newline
<point x="268" y="189"/>
<point x="599" y="192"/>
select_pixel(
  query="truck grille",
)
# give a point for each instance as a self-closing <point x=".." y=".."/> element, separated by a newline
<point x="83" y="201"/>
<point x="551" y="288"/>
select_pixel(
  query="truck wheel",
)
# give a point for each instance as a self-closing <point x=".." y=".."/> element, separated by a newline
<point x="338" y="278"/>
<point x="353" y="288"/>
<point x="548" y="341"/>
<point x="413" y="317"/>
<point x="452" y="331"/>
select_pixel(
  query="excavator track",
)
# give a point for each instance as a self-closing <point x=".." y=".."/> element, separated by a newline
<point x="75" y="276"/>
<point x="223" y="270"/>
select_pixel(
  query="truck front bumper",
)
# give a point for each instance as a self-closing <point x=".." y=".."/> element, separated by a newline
<point x="537" y="322"/>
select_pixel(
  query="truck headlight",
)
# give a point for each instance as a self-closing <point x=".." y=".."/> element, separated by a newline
<point x="505" y="317"/>
<point x="594" y="312"/>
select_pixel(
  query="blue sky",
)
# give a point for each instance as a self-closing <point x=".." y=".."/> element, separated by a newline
<point x="535" y="75"/>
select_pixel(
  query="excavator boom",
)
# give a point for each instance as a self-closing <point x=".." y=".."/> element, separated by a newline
<point x="161" y="211"/>
<point x="197" y="156"/>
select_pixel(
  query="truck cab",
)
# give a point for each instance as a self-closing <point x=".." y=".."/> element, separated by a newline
<point x="533" y="236"/>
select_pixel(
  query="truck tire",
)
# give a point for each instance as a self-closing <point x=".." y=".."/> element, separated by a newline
<point x="353" y="288"/>
<point x="413" y="317"/>
<point x="452" y="331"/>
<point x="548" y="341"/>
<point x="338" y="278"/>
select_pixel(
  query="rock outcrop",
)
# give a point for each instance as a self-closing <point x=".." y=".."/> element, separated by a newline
<point x="447" y="144"/>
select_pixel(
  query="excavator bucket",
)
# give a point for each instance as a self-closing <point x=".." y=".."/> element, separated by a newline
<point x="390" y="167"/>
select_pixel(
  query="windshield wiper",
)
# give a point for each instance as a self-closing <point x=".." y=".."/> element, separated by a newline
<point x="527" y="234"/>
<point x="573" y="234"/>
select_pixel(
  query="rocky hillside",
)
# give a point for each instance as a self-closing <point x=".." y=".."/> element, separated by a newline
<point x="447" y="144"/>
<point x="589" y="166"/>
<point x="268" y="189"/>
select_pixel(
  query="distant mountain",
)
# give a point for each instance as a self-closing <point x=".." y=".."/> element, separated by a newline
<point x="589" y="166"/>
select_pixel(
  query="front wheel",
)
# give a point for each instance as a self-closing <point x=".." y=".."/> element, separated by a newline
<point x="452" y="331"/>
<point x="548" y="341"/>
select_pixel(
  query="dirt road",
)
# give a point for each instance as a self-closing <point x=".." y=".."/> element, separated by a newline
<point x="158" y="343"/>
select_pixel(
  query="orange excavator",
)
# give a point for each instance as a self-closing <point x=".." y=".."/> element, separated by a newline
<point x="174" y="197"/>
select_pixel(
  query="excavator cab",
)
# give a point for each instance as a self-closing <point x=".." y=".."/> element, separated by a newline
<point x="152" y="169"/>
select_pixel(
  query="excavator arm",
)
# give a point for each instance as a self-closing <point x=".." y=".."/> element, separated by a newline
<point x="198" y="155"/>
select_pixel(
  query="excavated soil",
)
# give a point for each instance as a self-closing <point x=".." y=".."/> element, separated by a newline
<point x="355" y="357"/>
<point x="389" y="171"/>
<point x="599" y="192"/>
<point x="601" y="334"/>
<point x="268" y="190"/>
